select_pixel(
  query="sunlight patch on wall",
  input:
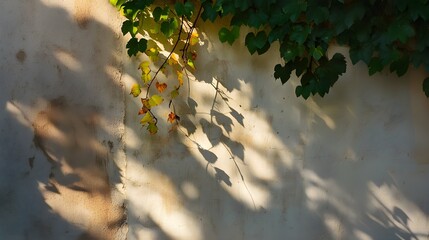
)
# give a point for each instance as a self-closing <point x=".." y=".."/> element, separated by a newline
<point x="391" y="209"/>
<point x="68" y="60"/>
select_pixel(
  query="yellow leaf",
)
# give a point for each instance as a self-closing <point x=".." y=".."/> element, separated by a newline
<point x="135" y="90"/>
<point x="194" y="38"/>
<point x="152" y="128"/>
<point x="174" y="93"/>
<point x="180" y="77"/>
<point x="191" y="64"/>
<point x="147" y="118"/>
<point x="174" y="59"/>
<point x="161" y="86"/>
<point x="144" y="66"/>
<point x="146" y="78"/>
<point x="152" y="53"/>
<point x="155" y="100"/>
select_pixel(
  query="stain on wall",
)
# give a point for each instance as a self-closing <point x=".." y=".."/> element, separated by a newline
<point x="82" y="13"/>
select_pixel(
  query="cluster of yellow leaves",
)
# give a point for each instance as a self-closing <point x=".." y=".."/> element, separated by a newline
<point x="152" y="100"/>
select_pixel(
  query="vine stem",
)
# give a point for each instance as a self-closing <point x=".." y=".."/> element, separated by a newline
<point x="168" y="57"/>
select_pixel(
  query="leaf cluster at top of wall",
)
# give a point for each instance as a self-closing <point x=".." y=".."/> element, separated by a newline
<point x="392" y="34"/>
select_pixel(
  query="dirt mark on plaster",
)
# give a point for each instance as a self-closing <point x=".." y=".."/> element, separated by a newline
<point x="21" y="56"/>
<point x="78" y="189"/>
<point x="82" y="13"/>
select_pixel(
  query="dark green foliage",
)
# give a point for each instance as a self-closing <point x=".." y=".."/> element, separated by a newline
<point x="380" y="33"/>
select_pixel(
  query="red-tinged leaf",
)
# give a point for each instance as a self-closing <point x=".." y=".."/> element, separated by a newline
<point x="161" y="86"/>
<point x="135" y="90"/>
<point x="143" y="110"/>
<point x="145" y="103"/>
<point x="171" y="117"/>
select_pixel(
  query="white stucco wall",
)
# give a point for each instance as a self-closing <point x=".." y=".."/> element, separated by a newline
<point x="249" y="162"/>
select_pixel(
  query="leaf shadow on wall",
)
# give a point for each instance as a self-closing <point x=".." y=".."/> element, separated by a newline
<point x="58" y="153"/>
<point x="300" y="163"/>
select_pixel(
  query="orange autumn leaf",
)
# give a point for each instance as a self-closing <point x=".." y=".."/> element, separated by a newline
<point x="161" y="86"/>
<point x="171" y="117"/>
<point x="143" y="110"/>
<point x="145" y="102"/>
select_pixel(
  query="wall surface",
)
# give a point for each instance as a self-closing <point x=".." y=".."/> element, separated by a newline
<point x="249" y="161"/>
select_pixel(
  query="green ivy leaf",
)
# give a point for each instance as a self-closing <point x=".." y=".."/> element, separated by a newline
<point x="400" y="30"/>
<point x="318" y="14"/>
<point x="209" y="12"/>
<point x="400" y="66"/>
<point x="160" y="14"/>
<point x="362" y="53"/>
<point x="229" y="36"/>
<point x="375" y="65"/>
<point x="426" y="87"/>
<point x="282" y="72"/>
<point x="254" y="43"/>
<point x="300" y="33"/>
<point x="184" y="9"/>
<point x="152" y="128"/>
<point x="130" y="27"/>
<point x="134" y="46"/>
<point x="168" y="27"/>
<point x="256" y="19"/>
<point x="293" y="9"/>
<point x="317" y="53"/>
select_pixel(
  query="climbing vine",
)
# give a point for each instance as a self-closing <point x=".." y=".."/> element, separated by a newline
<point x="392" y="34"/>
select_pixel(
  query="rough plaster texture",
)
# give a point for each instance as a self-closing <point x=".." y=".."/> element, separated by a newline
<point x="254" y="162"/>
<point x="251" y="161"/>
<point x="62" y="121"/>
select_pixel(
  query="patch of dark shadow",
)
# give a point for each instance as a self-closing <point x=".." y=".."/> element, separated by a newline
<point x="208" y="155"/>
<point x="238" y="116"/>
<point x="187" y="124"/>
<point x="192" y="105"/>
<point x="110" y="144"/>
<point x="31" y="162"/>
<point x="21" y="56"/>
<point x="222" y="120"/>
<point x="52" y="188"/>
<point x="117" y="223"/>
<point x="212" y="131"/>
<point x="400" y="216"/>
<point x="222" y="176"/>
<point x="235" y="148"/>
<point x="67" y="179"/>
<point x="78" y="188"/>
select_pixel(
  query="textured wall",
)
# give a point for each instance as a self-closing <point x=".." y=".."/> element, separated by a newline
<point x="254" y="162"/>
<point x="61" y="126"/>
<point x="251" y="161"/>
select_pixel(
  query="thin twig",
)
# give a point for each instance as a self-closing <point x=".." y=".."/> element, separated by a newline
<point x="165" y="61"/>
